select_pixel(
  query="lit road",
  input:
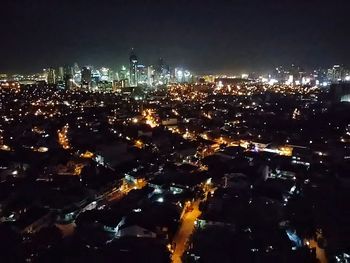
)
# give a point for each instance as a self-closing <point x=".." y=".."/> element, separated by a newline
<point x="320" y="252"/>
<point x="185" y="231"/>
<point x="115" y="196"/>
<point x="124" y="189"/>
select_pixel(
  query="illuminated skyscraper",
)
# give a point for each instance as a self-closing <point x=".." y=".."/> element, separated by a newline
<point x="123" y="73"/>
<point x="104" y="74"/>
<point x="95" y="78"/>
<point x="85" y="77"/>
<point x="111" y="75"/>
<point x="76" y="68"/>
<point x="51" y="77"/>
<point x="335" y="74"/>
<point x="133" y="69"/>
<point x="150" y="76"/>
<point x="182" y="76"/>
<point x="68" y="75"/>
<point x="60" y="74"/>
<point x="162" y="73"/>
<point x="141" y="75"/>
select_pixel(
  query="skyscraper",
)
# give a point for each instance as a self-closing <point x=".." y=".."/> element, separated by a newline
<point x="85" y="77"/>
<point x="123" y="73"/>
<point x="51" y="77"/>
<point x="150" y="76"/>
<point x="76" y="68"/>
<point x="162" y="72"/>
<point x="104" y="74"/>
<point x="141" y="75"/>
<point x="133" y="68"/>
<point x="68" y="75"/>
<point x="60" y="74"/>
<point x="335" y="74"/>
<point x="182" y="76"/>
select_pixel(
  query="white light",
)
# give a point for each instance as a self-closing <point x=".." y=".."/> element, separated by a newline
<point x="160" y="200"/>
<point x="220" y="84"/>
<point x="43" y="149"/>
<point x="290" y="80"/>
<point x="272" y="82"/>
<point x="305" y="81"/>
<point x="208" y="181"/>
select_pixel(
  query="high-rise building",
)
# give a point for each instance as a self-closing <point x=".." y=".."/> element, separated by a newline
<point x="182" y="76"/>
<point x="111" y="75"/>
<point x="320" y="75"/>
<point x="123" y="73"/>
<point x="162" y="73"/>
<point x="280" y="74"/>
<point x="76" y="74"/>
<point x="68" y="77"/>
<point x="133" y="69"/>
<point x="95" y="78"/>
<point x="76" y="68"/>
<point x="60" y="74"/>
<point x="141" y="75"/>
<point x="335" y="74"/>
<point x="297" y="73"/>
<point x="51" y="76"/>
<point x="150" y="76"/>
<point x="86" y="77"/>
<point x="104" y="74"/>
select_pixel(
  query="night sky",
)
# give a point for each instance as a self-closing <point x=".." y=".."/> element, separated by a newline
<point x="204" y="36"/>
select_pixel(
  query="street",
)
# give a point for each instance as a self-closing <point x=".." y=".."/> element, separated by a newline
<point x="185" y="231"/>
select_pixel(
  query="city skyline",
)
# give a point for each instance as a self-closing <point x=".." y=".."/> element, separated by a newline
<point x="210" y="37"/>
<point x="268" y="69"/>
<point x="175" y="131"/>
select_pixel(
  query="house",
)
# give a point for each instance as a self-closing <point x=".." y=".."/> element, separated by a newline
<point x="153" y="220"/>
<point x="135" y="231"/>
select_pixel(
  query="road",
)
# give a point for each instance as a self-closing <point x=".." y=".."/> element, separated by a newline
<point x="320" y="252"/>
<point x="185" y="231"/>
<point x="123" y="190"/>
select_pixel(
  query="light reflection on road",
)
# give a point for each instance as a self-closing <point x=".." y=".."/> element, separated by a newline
<point x="187" y="226"/>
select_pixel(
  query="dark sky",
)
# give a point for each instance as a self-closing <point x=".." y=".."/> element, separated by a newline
<point x="205" y="36"/>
